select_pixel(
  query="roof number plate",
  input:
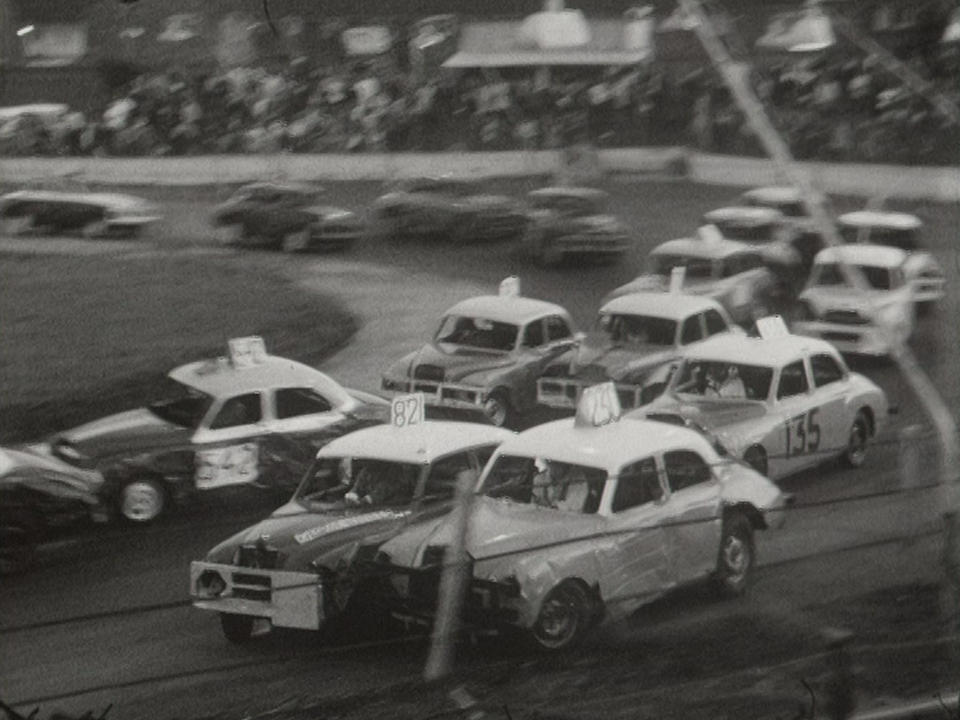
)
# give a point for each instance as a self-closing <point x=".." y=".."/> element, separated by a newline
<point x="407" y="411"/>
<point x="247" y="351"/>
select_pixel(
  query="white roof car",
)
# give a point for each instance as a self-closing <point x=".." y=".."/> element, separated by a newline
<point x="875" y="255"/>
<point x="880" y="218"/>
<point x="744" y="215"/>
<point x="675" y="306"/>
<point x="505" y="309"/>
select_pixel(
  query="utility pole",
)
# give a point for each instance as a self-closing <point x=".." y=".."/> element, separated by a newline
<point x="735" y="76"/>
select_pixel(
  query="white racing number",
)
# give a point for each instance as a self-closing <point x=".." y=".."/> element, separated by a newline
<point x="231" y="465"/>
<point x="407" y="411"/>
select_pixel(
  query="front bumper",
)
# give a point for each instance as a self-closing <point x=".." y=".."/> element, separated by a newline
<point x="853" y="339"/>
<point x="287" y="599"/>
<point x="438" y="394"/>
<point x="564" y="393"/>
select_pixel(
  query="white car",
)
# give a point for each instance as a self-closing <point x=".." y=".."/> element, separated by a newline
<point x="732" y="273"/>
<point x="899" y="230"/>
<point x="862" y="322"/>
<point x="781" y="404"/>
<point x="576" y="524"/>
<point x="636" y="338"/>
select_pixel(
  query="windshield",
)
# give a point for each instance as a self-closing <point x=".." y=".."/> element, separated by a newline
<point x="545" y="483"/>
<point x="357" y="482"/>
<point x="891" y="237"/>
<point x="720" y="379"/>
<point x="477" y="333"/>
<point x="638" y="329"/>
<point x="697" y="268"/>
<point x="879" y="278"/>
<point x="183" y="405"/>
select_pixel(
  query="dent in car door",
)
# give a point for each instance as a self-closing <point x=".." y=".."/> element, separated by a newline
<point x="691" y="514"/>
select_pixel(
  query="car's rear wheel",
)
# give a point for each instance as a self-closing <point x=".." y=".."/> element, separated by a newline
<point x="142" y="500"/>
<point x="237" y="629"/>
<point x="563" y="618"/>
<point x="230" y="235"/>
<point x="737" y="556"/>
<point x="756" y="457"/>
<point x="95" y="229"/>
<point x="856" y="453"/>
<point x="297" y="241"/>
<point x="497" y="409"/>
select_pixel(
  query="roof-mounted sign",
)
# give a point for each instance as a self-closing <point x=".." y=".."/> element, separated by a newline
<point x="710" y="234"/>
<point x="407" y="411"/>
<point x="772" y="327"/>
<point x="598" y="405"/>
<point x="510" y="287"/>
<point x="677" y="276"/>
<point x="247" y="351"/>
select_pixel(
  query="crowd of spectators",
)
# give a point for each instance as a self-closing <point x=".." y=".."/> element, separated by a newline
<point x="828" y="109"/>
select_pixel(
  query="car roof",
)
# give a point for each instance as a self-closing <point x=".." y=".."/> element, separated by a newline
<point x="881" y="218"/>
<point x="696" y="247"/>
<point x="744" y="214"/>
<point x="299" y="188"/>
<point x="675" y="306"/>
<point x="773" y="352"/>
<point x="435" y="439"/>
<point x="506" y="309"/>
<point x="564" y="191"/>
<point x="608" y="446"/>
<point x="865" y="254"/>
<point x="774" y="194"/>
<point x="222" y="379"/>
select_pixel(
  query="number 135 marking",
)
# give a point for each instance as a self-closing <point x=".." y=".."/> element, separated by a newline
<point x="803" y="433"/>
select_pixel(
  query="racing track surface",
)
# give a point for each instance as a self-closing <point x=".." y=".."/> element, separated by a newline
<point x="144" y="650"/>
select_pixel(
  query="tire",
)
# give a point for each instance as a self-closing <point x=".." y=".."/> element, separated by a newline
<point x="142" y="500"/>
<point x="230" y="235"/>
<point x="856" y="452"/>
<point x="95" y="229"/>
<point x="20" y="225"/>
<point x="237" y="629"/>
<point x="498" y="410"/>
<point x="756" y="457"/>
<point x="20" y="535"/>
<point x="563" y="618"/>
<point x="736" y="557"/>
<point x="298" y="241"/>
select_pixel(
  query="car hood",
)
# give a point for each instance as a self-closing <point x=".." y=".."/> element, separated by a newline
<point x="127" y="433"/>
<point x="114" y="201"/>
<point x="844" y="298"/>
<point x="458" y="362"/>
<point x="601" y="361"/>
<point x="302" y="537"/>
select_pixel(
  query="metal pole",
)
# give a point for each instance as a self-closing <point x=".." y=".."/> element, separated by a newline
<point x="735" y="76"/>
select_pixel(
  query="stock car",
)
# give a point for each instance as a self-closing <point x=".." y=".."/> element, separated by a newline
<point x="40" y="495"/>
<point x="902" y="231"/>
<point x="92" y="214"/>
<point x="858" y="321"/>
<point x="247" y="419"/>
<point x="730" y="272"/>
<point x="284" y="217"/>
<point x="636" y="339"/>
<point x="486" y="356"/>
<point x="583" y="520"/>
<point x="789" y="202"/>
<point x="566" y="221"/>
<point x="448" y="208"/>
<point x="295" y="569"/>
<point x="780" y="402"/>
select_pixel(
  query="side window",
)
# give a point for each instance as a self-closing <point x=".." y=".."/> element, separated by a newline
<point x="826" y="370"/>
<point x="638" y="484"/>
<point x="557" y="328"/>
<point x="685" y="468"/>
<point x="750" y="262"/>
<point x="793" y="380"/>
<point x="691" y="330"/>
<point x="731" y="266"/>
<point x="715" y="322"/>
<point x="444" y="476"/>
<point x="239" y="410"/>
<point x="294" y="402"/>
<point x="533" y="334"/>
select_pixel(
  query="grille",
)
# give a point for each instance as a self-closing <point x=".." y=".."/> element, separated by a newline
<point x="247" y="586"/>
<point x="845" y="317"/>
<point x="428" y="372"/>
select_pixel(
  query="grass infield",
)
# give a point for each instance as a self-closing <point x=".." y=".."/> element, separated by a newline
<point x="83" y="337"/>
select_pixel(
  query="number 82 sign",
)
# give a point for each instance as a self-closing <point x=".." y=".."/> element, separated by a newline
<point x="407" y="410"/>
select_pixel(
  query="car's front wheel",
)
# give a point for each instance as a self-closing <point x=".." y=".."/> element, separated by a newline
<point x="95" y="229"/>
<point x="297" y="241"/>
<point x="498" y="410"/>
<point x="737" y="556"/>
<point x="230" y="235"/>
<point x="856" y="453"/>
<point x="563" y="618"/>
<point x="237" y="629"/>
<point x="142" y="500"/>
<point x="756" y="457"/>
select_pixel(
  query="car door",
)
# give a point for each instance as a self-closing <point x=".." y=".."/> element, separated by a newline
<point x="691" y="514"/>
<point x="800" y="431"/>
<point x="635" y="562"/>
<point x="828" y="414"/>
<point x="300" y="411"/>
<point x="541" y="341"/>
<point x="227" y="444"/>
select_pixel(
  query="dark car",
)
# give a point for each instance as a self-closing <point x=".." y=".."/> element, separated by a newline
<point x="285" y="217"/>
<point x="573" y="221"/>
<point x="250" y="420"/>
<point x="40" y="495"/>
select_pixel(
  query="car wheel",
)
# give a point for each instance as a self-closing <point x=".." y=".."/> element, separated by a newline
<point x="18" y="225"/>
<point x="142" y="500"/>
<point x="563" y="617"/>
<point x="497" y="409"/>
<point x="298" y="241"/>
<point x="20" y="534"/>
<point x="95" y="229"/>
<point x="737" y="556"/>
<point x="229" y="235"/>
<point x="237" y="629"/>
<point x="756" y="457"/>
<point x="856" y="453"/>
